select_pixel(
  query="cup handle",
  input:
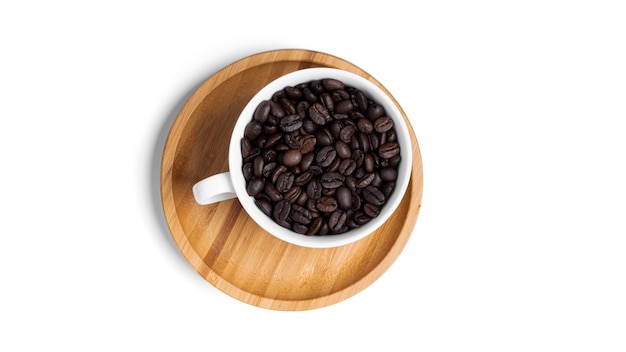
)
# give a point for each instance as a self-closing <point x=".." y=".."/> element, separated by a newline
<point x="214" y="189"/>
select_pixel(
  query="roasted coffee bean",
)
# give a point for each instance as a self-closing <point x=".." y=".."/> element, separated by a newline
<point x="361" y="101"/>
<point x="248" y="171"/>
<point x="281" y="210"/>
<point x="320" y="158"/>
<point x="285" y="181"/>
<point x="347" y="132"/>
<point x="258" y="164"/>
<point x="332" y="84"/>
<point x="326" y="204"/>
<point x="347" y="167"/>
<point x="276" y="110"/>
<point x="272" y="192"/>
<point x="309" y="96"/>
<point x="315" y="226"/>
<point x="373" y="195"/>
<point x="299" y="228"/>
<point x="319" y="114"/>
<point x="365" y="126"/>
<point x="292" y="157"/>
<point x="324" y="137"/>
<point x="253" y="130"/>
<point x="278" y="170"/>
<point x="268" y="169"/>
<point x="293" y="194"/>
<point x="290" y="123"/>
<point x="383" y="124"/>
<point x="293" y="93"/>
<point x="366" y="180"/>
<point x="336" y="220"/>
<point x="360" y="217"/>
<point x="292" y="142"/>
<point x="307" y="144"/>
<point x="387" y="188"/>
<point x="300" y="214"/>
<point x="306" y="161"/>
<point x="374" y="111"/>
<point x="331" y="180"/>
<point x="389" y="150"/>
<point x="246" y="147"/>
<point x="314" y="189"/>
<point x="344" y="197"/>
<point x="371" y="210"/>
<point x="326" y="156"/>
<point x="262" y="111"/>
<point x="389" y="174"/>
<point x="255" y="186"/>
<point x="328" y="102"/>
<point x="303" y="179"/>
<point x="290" y="109"/>
<point x="344" y="106"/>
<point x="264" y="204"/>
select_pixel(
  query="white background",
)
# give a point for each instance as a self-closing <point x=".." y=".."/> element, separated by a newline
<point x="518" y="108"/>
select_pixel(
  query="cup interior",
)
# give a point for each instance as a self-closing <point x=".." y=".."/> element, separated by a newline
<point x="374" y="93"/>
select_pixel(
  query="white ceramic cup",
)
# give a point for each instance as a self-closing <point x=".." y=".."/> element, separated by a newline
<point x="232" y="184"/>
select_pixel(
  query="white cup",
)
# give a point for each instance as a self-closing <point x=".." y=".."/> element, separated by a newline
<point x="232" y="184"/>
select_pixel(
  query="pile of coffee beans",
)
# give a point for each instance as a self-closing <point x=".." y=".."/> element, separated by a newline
<point x="320" y="157"/>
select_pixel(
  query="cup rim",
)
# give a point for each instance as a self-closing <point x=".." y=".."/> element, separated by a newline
<point x="373" y="92"/>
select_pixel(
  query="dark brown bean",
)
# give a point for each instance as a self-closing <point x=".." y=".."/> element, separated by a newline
<point x="332" y="180"/>
<point x="300" y="214"/>
<point x="262" y="111"/>
<point x="292" y="157"/>
<point x="265" y="205"/>
<point x="331" y="84"/>
<point x="326" y="156"/>
<point x="281" y="210"/>
<point x="285" y="181"/>
<point x="344" y="197"/>
<point x="314" y="189"/>
<point x="371" y="210"/>
<point x="373" y="195"/>
<point x="255" y="186"/>
<point x="389" y="150"/>
<point x="253" y="130"/>
<point x="336" y="220"/>
<point x="326" y="204"/>
<point x="344" y="107"/>
<point x="383" y="124"/>
<point x="347" y="167"/>
<point x="290" y="123"/>
<point x="319" y="114"/>
<point x="272" y="192"/>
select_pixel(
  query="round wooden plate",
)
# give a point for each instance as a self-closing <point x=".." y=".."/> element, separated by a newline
<point x="223" y="244"/>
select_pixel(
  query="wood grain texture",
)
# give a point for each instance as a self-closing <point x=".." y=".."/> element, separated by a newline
<point x="223" y="244"/>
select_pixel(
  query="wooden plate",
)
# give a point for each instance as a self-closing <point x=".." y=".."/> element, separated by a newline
<point x="223" y="244"/>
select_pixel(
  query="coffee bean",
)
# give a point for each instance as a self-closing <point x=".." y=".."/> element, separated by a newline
<point x="389" y="150"/>
<point x="319" y="114"/>
<point x="347" y="167"/>
<point x="371" y="210"/>
<point x="373" y="195"/>
<point x="389" y="174"/>
<point x="347" y="132"/>
<point x="255" y="186"/>
<point x="314" y="189"/>
<point x="285" y="181"/>
<point x="262" y="111"/>
<point x="332" y="84"/>
<point x="326" y="156"/>
<point x="281" y="210"/>
<point x="331" y="180"/>
<point x="374" y="111"/>
<point x="290" y="123"/>
<point x="344" y="107"/>
<point x="265" y="205"/>
<point x="292" y="157"/>
<point x="344" y="197"/>
<point x="253" y="130"/>
<point x="272" y="192"/>
<point x="365" y="126"/>
<point x="293" y="194"/>
<point x="300" y="214"/>
<point x="336" y="220"/>
<point x="293" y="93"/>
<point x="315" y="226"/>
<point x="326" y="204"/>
<point x="383" y="124"/>
<point x="307" y="144"/>
<point x="366" y="180"/>
<point x="343" y="149"/>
